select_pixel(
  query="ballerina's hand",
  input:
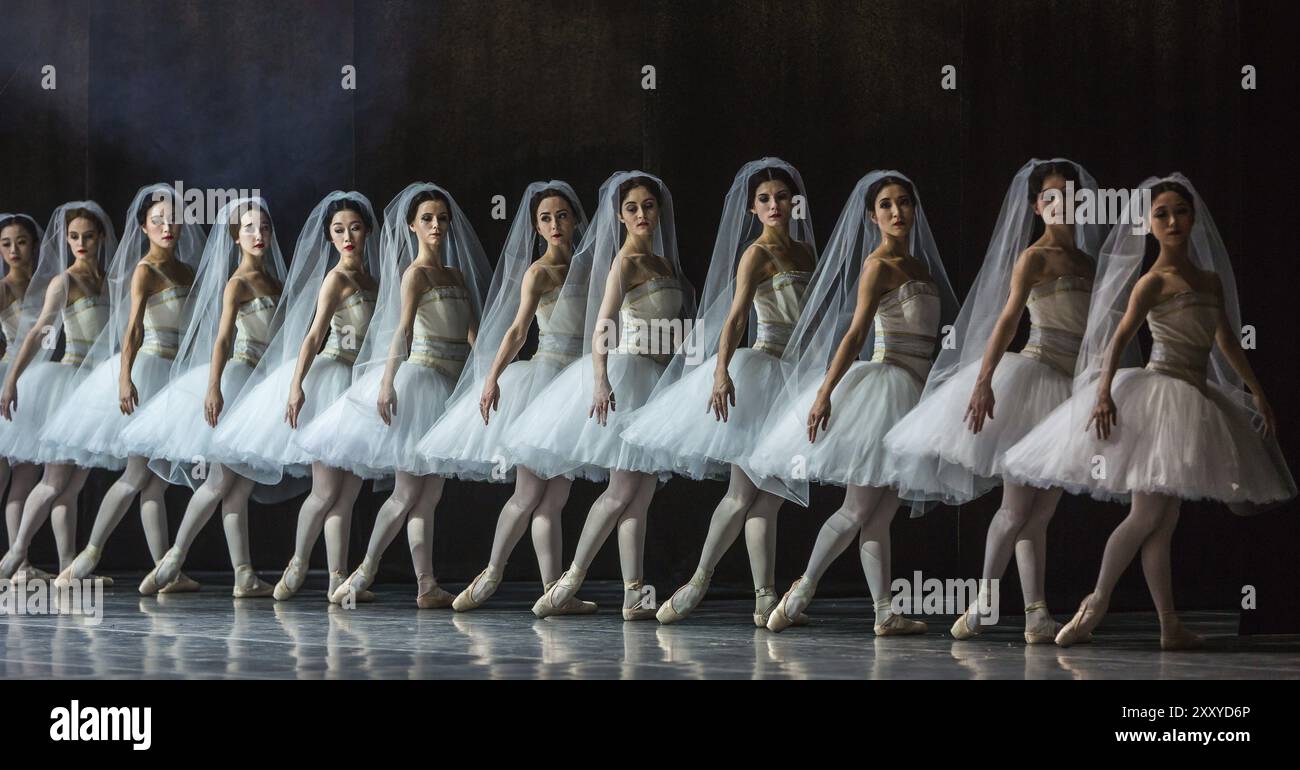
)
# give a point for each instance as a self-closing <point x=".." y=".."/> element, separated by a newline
<point x="1103" y="417"/>
<point x="980" y="408"/>
<point x="602" y="403"/>
<point x="8" y="401"/>
<point x="487" y="403"/>
<point x="819" y="416"/>
<point x="1269" y="428"/>
<point x="387" y="404"/>
<point x="212" y="406"/>
<point x="127" y="397"/>
<point x="723" y="396"/>
<point x="296" y="401"/>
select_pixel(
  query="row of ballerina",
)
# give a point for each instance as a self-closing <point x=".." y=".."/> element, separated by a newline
<point x="387" y="351"/>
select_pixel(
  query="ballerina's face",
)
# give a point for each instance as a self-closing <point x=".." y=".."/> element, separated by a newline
<point x="432" y="223"/>
<point x="348" y="233"/>
<point x="16" y="246"/>
<point x="1049" y="204"/>
<point x="83" y="237"/>
<point x="160" y="225"/>
<point x="772" y="203"/>
<point x="554" y="221"/>
<point x="254" y="232"/>
<point x="893" y="211"/>
<point x="1172" y="218"/>
<point x="639" y="211"/>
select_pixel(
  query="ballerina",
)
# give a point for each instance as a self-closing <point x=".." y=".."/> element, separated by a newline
<point x="20" y="241"/>
<point x="331" y="291"/>
<point x="882" y="253"/>
<point x="153" y="270"/>
<point x="70" y="283"/>
<point x="216" y="359"/>
<point x="425" y="321"/>
<point x="1182" y="428"/>
<point x="470" y="439"/>
<point x="573" y="425"/>
<point x="1052" y="276"/>
<point x="762" y="263"/>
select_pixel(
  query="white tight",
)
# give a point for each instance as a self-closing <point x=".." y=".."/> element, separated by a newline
<point x="137" y="479"/>
<point x="624" y="504"/>
<point x="866" y="514"/>
<point x="333" y="493"/>
<point x="540" y="501"/>
<point x="21" y="480"/>
<point x="55" y="498"/>
<point x="1149" y="528"/>
<point x="231" y="491"/>
<point x="748" y="507"/>
<point x="1020" y="526"/>
<point x="414" y="500"/>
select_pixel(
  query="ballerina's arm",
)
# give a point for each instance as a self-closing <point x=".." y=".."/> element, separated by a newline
<point x="1027" y="269"/>
<point x="530" y="295"/>
<point x="327" y="301"/>
<point x="869" y="285"/>
<point x="55" y="298"/>
<point x="748" y="276"/>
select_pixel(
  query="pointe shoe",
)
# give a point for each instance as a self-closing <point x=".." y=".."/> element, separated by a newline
<point x="294" y="576"/>
<point x="183" y="584"/>
<point x="1043" y="632"/>
<point x="636" y="611"/>
<point x="358" y="581"/>
<point x="13" y="563"/>
<point x="164" y="572"/>
<point x="108" y="581"/>
<point x="961" y="630"/>
<point x="248" y="585"/>
<point x="576" y="606"/>
<point x="336" y="580"/>
<point x="80" y="566"/>
<point x="1080" y="627"/>
<point x="670" y="612"/>
<point x="430" y="595"/>
<point x="897" y="625"/>
<point x="29" y="571"/>
<point x="1178" y="638"/>
<point x="547" y="605"/>
<point x="465" y="601"/>
<point x="777" y="618"/>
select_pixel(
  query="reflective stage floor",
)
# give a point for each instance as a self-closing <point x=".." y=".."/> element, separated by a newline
<point x="210" y="635"/>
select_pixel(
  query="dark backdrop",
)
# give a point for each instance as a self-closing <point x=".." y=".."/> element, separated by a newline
<point x="484" y="97"/>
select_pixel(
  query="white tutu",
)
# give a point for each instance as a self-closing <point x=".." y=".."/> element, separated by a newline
<point x="256" y="441"/>
<point x="171" y="428"/>
<point x="43" y="389"/>
<point x="1025" y="391"/>
<point x="556" y="437"/>
<point x="460" y="445"/>
<point x="680" y="432"/>
<point x="350" y="435"/>
<point x="867" y="402"/>
<point x="1170" y="439"/>
<point x="90" y="425"/>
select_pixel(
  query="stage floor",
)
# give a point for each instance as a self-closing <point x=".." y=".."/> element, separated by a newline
<point x="211" y="635"/>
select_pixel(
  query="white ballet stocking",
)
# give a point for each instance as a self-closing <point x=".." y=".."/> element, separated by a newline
<point x="760" y="539"/>
<point x="153" y="514"/>
<point x="874" y="550"/>
<point x="419" y="530"/>
<point x="234" y="522"/>
<point x="547" y="532"/>
<point x="117" y="499"/>
<point x="626" y="492"/>
<point x="514" y="516"/>
<point x="338" y="523"/>
<point x="21" y="481"/>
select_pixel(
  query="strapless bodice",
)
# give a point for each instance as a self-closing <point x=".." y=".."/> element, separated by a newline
<point x="441" y="330"/>
<point x="905" y="325"/>
<point x="253" y="328"/>
<point x="348" y="327"/>
<point x="1058" y="317"/>
<point x="162" y="315"/>
<point x="1182" y="335"/>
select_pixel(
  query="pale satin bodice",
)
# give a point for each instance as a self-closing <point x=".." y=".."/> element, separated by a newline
<point x="441" y="330"/>
<point x="560" y="323"/>
<point x="1182" y="335"/>
<point x="162" y="315"/>
<point x="1058" y="316"/>
<point x="778" y="301"/>
<point x="905" y="324"/>
<point x="648" y="314"/>
<point x="9" y="318"/>
<point x="348" y="327"/>
<point x="82" y="322"/>
<point x="253" y="329"/>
